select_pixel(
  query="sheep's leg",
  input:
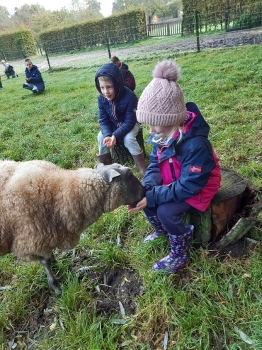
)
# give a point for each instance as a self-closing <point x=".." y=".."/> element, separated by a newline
<point x="52" y="282"/>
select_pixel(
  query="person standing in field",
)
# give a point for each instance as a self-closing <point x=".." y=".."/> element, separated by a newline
<point x="34" y="80"/>
<point x="183" y="173"/>
<point x="117" y="116"/>
<point x="129" y="79"/>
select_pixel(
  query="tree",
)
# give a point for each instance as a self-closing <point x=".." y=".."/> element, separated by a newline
<point x="50" y="19"/>
<point x="23" y="15"/>
<point x="118" y="6"/>
<point x="4" y="18"/>
<point x="86" y="9"/>
<point x="151" y="7"/>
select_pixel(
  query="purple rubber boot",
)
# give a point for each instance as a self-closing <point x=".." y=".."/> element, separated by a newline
<point x="179" y="255"/>
<point x="159" y="230"/>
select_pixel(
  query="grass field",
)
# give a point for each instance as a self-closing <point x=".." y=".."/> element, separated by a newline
<point x="215" y="303"/>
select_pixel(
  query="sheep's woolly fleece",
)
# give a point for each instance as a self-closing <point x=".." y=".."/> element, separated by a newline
<point x="43" y="206"/>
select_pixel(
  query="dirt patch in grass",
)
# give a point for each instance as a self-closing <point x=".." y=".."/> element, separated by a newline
<point x="114" y="292"/>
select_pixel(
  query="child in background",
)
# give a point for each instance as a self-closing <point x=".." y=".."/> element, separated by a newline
<point x="9" y="70"/>
<point x="129" y="79"/>
<point x="117" y="116"/>
<point x="33" y="76"/>
<point x="184" y="171"/>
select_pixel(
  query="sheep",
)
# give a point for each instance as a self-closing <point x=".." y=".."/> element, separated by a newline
<point x="44" y="207"/>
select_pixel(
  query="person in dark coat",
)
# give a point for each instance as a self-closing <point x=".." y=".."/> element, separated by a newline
<point x="117" y="116"/>
<point x="129" y="79"/>
<point x="34" y="80"/>
<point x="9" y="70"/>
<point x="183" y="173"/>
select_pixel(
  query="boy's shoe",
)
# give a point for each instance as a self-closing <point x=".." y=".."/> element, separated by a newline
<point x="179" y="255"/>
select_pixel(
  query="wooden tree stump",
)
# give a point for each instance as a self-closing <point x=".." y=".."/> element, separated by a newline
<point x="120" y="154"/>
<point x="232" y="213"/>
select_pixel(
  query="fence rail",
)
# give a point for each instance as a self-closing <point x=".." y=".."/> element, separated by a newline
<point x="164" y="29"/>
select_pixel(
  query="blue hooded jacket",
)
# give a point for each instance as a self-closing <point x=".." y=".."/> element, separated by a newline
<point x="193" y="151"/>
<point x="36" y="77"/>
<point x="116" y="117"/>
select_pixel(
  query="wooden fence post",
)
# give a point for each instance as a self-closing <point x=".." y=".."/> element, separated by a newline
<point x="197" y="30"/>
<point x="107" y="45"/>
<point x="46" y="53"/>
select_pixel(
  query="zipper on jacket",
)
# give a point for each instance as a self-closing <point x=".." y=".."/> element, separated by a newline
<point x="113" y="111"/>
<point x="172" y="168"/>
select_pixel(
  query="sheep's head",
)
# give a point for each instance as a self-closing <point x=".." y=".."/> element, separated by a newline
<point x="124" y="185"/>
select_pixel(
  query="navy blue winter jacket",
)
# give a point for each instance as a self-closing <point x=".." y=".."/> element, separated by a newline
<point x="187" y="171"/>
<point x="36" y="77"/>
<point x="116" y="117"/>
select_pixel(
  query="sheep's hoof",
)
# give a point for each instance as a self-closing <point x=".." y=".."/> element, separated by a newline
<point x="55" y="287"/>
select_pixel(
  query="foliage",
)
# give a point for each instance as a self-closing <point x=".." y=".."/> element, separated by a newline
<point x="24" y="14"/>
<point x="217" y="13"/>
<point x="4" y="17"/>
<point x="215" y="303"/>
<point x="161" y="8"/>
<point x="18" y="44"/>
<point x="50" y="19"/>
<point x="129" y="26"/>
<point x="36" y="18"/>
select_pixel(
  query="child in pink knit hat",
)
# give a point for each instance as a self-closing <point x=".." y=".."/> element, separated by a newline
<point x="184" y="170"/>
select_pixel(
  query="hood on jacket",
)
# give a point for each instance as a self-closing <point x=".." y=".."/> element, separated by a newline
<point x="111" y="71"/>
<point x="199" y="127"/>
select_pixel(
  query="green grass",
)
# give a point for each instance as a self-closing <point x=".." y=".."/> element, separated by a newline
<point x="201" y="308"/>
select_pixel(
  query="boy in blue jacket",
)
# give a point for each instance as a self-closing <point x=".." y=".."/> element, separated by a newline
<point x="34" y="80"/>
<point x="117" y="116"/>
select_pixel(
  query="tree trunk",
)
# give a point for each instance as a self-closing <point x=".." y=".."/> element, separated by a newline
<point x="232" y="213"/>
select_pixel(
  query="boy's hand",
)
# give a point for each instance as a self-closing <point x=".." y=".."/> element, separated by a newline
<point x="140" y="205"/>
<point x="109" y="141"/>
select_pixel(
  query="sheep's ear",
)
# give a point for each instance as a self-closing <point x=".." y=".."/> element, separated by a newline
<point x="111" y="174"/>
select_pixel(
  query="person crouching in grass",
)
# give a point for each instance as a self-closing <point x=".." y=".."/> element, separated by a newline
<point x="34" y="80"/>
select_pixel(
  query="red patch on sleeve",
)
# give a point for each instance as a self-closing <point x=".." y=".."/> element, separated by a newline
<point x="195" y="169"/>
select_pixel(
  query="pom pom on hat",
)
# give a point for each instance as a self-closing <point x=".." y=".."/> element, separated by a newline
<point x="162" y="101"/>
<point x="166" y="70"/>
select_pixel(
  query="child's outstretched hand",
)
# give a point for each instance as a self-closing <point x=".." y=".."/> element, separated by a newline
<point x="140" y="205"/>
<point x="109" y="141"/>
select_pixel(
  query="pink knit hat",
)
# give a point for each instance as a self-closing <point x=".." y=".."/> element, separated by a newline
<point x="162" y="101"/>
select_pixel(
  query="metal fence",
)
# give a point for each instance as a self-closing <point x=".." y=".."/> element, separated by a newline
<point x="200" y="27"/>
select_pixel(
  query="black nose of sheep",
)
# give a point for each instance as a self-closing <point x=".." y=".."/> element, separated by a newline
<point x="44" y="207"/>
